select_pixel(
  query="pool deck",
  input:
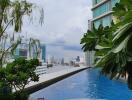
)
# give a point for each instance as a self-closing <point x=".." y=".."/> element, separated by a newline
<point x="52" y="76"/>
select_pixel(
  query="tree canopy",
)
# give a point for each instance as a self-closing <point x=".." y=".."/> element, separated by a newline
<point x="17" y="75"/>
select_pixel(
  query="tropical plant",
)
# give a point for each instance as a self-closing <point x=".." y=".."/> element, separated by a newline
<point x="12" y="12"/>
<point x="18" y="74"/>
<point x="92" y="38"/>
<point x="114" y="47"/>
<point x="123" y="12"/>
<point x="117" y="61"/>
<point x="106" y="42"/>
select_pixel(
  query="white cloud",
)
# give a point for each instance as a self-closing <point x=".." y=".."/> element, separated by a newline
<point x="65" y="20"/>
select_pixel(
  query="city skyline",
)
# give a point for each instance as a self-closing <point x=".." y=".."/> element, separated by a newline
<point x="64" y="21"/>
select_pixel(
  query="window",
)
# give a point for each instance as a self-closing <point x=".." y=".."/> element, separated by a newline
<point x="105" y="21"/>
<point x="101" y="9"/>
<point x="97" y="23"/>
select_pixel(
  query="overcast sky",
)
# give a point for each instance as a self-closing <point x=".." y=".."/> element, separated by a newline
<point x="65" y="22"/>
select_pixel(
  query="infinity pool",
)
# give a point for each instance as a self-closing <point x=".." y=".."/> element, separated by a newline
<point x="86" y="85"/>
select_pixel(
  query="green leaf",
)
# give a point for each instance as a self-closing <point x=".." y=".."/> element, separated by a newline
<point x="121" y="46"/>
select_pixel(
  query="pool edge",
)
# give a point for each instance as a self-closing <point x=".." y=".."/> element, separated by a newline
<point x="45" y="84"/>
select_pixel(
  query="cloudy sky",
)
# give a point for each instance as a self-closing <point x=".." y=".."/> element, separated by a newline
<point x="65" y="21"/>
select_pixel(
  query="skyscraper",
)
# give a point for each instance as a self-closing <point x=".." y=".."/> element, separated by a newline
<point x="102" y="12"/>
<point x="21" y="51"/>
<point x="43" y="50"/>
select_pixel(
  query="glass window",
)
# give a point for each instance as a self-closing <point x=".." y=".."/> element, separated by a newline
<point x="97" y="23"/>
<point x="105" y="21"/>
<point x="101" y="9"/>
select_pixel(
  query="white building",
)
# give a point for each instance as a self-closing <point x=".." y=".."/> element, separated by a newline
<point x="89" y="55"/>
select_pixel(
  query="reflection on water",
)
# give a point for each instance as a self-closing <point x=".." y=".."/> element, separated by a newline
<point x="86" y="85"/>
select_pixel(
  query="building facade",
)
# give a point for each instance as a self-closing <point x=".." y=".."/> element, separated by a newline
<point x="23" y="51"/>
<point x="102" y="12"/>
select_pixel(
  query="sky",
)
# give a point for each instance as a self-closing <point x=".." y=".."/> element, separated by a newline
<point x="65" y="22"/>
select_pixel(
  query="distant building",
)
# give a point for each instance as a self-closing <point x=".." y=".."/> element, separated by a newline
<point x="78" y="59"/>
<point x="50" y="59"/>
<point x="62" y="61"/>
<point x="89" y="55"/>
<point x="21" y="51"/>
<point x="43" y="52"/>
<point x="72" y="63"/>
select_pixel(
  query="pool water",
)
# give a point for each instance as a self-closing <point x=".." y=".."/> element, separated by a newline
<point x="86" y="85"/>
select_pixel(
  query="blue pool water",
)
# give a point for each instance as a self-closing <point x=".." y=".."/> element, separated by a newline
<point x="86" y="85"/>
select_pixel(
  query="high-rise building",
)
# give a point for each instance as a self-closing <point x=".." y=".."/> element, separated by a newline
<point x="78" y="59"/>
<point x="89" y="55"/>
<point x="21" y="51"/>
<point x="43" y="51"/>
<point x="102" y="12"/>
